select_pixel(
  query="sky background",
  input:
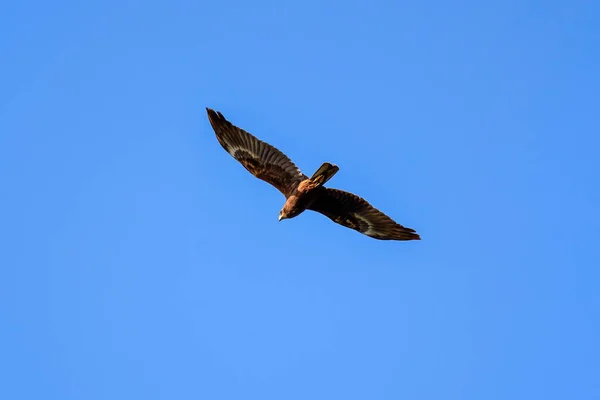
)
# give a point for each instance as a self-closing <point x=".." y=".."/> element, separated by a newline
<point x="140" y="261"/>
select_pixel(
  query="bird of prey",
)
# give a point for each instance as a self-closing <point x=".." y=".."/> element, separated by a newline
<point x="301" y="192"/>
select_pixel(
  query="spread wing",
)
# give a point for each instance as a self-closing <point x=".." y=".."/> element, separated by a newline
<point x="356" y="213"/>
<point x="259" y="158"/>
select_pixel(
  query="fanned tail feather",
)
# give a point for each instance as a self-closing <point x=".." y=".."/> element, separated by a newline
<point x="324" y="173"/>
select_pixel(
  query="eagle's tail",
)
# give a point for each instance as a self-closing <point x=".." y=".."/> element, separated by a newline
<point x="324" y="173"/>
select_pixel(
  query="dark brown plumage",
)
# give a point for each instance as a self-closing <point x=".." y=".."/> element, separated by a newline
<point x="301" y="192"/>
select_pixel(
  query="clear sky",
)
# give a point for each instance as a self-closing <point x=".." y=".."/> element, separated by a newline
<point x="140" y="261"/>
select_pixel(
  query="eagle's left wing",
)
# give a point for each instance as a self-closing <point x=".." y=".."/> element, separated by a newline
<point x="356" y="213"/>
<point x="259" y="158"/>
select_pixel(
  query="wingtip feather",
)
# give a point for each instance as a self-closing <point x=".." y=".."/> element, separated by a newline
<point x="212" y="114"/>
<point x="216" y="118"/>
<point x="414" y="235"/>
<point x="405" y="233"/>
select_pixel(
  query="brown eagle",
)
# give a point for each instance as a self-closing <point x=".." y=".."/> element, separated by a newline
<point x="301" y="192"/>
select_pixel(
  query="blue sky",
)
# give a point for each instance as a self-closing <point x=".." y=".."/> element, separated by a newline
<point x="141" y="261"/>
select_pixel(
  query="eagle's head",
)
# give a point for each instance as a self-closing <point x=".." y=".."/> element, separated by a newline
<point x="282" y="214"/>
<point x="288" y="211"/>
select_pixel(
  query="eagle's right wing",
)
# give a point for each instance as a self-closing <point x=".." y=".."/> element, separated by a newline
<point x="356" y="213"/>
<point x="259" y="158"/>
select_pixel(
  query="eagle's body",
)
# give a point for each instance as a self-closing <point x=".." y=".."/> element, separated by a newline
<point x="301" y="192"/>
<point x="300" y="200"/>
<point x="304" y="195"/>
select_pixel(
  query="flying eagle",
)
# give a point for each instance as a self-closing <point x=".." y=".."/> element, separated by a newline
<point x="301" y="192"/>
